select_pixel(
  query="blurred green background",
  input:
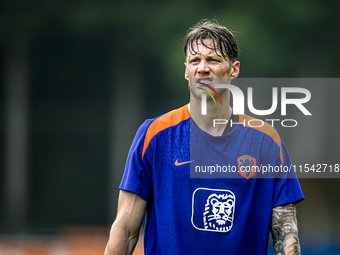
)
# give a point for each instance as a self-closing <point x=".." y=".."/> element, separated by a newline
<point x="77" y="78"/>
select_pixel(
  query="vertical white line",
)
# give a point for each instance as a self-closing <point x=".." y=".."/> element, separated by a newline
<point x="204" y="104"/>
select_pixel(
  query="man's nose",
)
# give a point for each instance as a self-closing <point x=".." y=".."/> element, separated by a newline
<point x="203" y="67"/>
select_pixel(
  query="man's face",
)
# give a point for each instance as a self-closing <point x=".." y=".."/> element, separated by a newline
<point x="206" y="66"/>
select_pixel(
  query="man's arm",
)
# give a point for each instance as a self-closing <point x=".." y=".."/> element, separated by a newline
<point x="284" y="230"/>
<point x="125" y="229"/>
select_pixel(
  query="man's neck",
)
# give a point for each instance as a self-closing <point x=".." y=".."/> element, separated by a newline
<point x="206" y="122"/>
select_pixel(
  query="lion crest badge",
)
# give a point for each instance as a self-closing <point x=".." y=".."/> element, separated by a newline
<point x="213" y="209"/>
<point x="246" y="166"/>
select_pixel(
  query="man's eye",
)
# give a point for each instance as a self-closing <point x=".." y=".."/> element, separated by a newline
<point x="214" y="60"/>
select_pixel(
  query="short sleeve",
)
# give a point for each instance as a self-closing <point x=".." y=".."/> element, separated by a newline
<point x="137" y="173"/>
<point x="287" y="188"/>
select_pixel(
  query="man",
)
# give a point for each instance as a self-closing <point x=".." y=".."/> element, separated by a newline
<point x="184" y="215"/>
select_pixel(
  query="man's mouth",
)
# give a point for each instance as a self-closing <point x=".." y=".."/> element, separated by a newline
<point x="204" y="80"/>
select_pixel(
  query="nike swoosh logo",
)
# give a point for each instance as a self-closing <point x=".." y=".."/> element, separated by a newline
<point x="182" y="163"/>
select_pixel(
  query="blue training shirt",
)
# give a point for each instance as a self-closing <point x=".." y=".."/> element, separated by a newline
<point x="222" y="211"/>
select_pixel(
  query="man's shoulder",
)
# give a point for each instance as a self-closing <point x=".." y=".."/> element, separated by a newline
<point x="166" y="120"/>
<point x="153" y="127"/>
<point x="261" y="126"/>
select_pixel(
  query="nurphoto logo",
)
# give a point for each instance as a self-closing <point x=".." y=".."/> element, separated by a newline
<point x="239" y="103"/>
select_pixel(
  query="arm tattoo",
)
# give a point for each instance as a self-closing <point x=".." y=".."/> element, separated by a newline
<point x="284" y="230"/>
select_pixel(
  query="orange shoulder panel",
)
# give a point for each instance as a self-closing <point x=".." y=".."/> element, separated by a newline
<point x="267" y="129"/>
<point x="167" y="120"/>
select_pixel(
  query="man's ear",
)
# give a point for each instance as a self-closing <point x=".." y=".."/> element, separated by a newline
<point x="186" y="73"/>
<point x="235" y="69"/>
